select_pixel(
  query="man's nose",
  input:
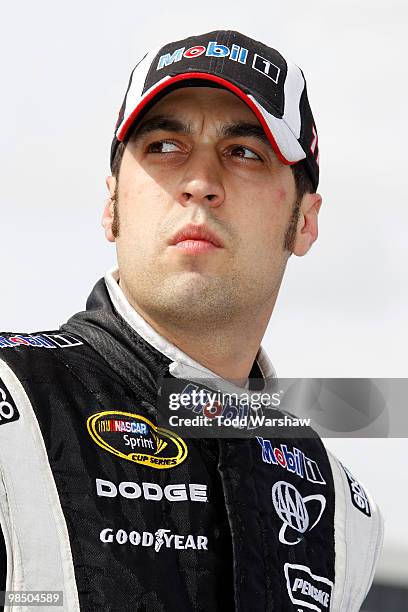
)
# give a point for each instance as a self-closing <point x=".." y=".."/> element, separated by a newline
<point x="202" y="180"/>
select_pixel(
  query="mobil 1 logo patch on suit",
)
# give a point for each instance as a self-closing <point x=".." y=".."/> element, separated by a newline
<point x="307" y="590"/>
<point x="358" y="495"/>
<point x="8" y="408"/>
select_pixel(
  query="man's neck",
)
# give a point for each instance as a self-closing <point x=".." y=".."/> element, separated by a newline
<point x="228" y="350"/>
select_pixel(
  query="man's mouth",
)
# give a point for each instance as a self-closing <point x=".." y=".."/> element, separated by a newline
<point x="196" y="239"/>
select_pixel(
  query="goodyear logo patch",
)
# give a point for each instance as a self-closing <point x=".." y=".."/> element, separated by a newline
<point x="135" y="438"/>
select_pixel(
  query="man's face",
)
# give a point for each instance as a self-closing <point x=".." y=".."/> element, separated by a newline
<point x="200" y="161"/>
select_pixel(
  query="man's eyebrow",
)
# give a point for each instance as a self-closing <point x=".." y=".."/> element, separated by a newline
<point x="249" y="130"/>
<point x="172" y="124"/>
<point x="160" y="122"/>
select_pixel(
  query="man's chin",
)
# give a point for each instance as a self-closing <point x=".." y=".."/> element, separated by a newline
<point x="193" y="283"/>
<point x="194" y="296"/>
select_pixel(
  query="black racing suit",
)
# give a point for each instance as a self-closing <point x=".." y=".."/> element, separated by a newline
<point x="98" y="502"/>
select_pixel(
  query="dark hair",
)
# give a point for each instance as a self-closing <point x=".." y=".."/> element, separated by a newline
<point x="303" y="184"/>
<point x="117" y="160"/>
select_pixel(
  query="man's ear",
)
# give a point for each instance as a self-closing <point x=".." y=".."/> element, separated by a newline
<point x="307" y="227"/>
<point x="109" y="210"/>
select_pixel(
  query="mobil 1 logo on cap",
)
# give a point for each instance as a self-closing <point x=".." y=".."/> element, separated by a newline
<point x="266" y="67"/>
<point x="8" y="408"/>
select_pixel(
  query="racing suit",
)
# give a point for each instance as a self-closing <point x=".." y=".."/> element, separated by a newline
<point x="119" y="514"/>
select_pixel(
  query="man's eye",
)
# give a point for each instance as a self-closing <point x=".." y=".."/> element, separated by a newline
<point x="244" y="152"/>
<point x="162" y="146"/>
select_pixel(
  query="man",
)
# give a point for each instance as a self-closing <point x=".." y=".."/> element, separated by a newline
<point x="214" y="177"/>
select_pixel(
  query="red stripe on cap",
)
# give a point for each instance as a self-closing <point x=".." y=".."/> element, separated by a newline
<point x="207" y="77"/>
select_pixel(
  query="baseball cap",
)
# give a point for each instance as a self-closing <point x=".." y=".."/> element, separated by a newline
<point x="271" y="85"/>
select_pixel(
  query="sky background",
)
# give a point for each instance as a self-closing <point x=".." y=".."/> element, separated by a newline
<point x="342" y="310"/>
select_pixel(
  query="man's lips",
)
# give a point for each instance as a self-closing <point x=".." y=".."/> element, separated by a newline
<point x="196" y="238"/>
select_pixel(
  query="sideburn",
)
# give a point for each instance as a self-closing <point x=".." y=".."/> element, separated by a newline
<point x="290" y="234"/>
<point x="115" y="222"/>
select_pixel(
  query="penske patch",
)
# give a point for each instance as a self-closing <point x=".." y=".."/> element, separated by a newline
<point x="8" y="408"/>
<point x="135" y="438"/>
<point x="306" y="589"/>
